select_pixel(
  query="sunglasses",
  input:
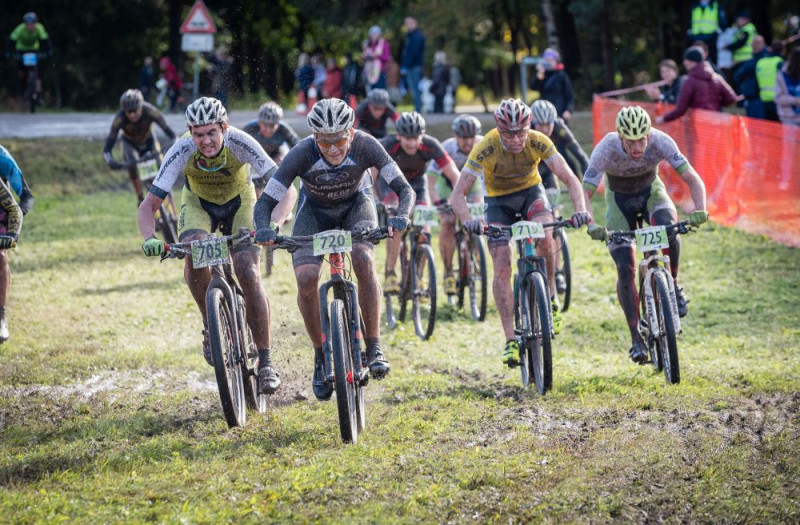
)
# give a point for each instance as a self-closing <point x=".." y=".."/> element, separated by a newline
<point x="522" y="133"/>
<point x="340" y="143"/>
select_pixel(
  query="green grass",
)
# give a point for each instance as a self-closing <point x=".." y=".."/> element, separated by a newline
<point x="108" y="412"/>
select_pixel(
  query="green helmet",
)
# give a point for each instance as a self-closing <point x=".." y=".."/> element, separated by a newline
<point x="633" y="123"/>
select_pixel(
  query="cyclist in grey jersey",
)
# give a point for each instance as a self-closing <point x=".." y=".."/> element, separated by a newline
<point x="335" y="193"/>
<point x="279" y="141"/>
<point x="630" y="159"/>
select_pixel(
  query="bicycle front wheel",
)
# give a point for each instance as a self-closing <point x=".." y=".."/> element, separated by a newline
<point x="537" y="344"/>
<point x="344" y="380"/>
<point x="563" y="270"/>
<point x="423" y="286"/>
<point x="667" y="339"/>
<point x="477" y="282"/>
<point x="225" y="353"/>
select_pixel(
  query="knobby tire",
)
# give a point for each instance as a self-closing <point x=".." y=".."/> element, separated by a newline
<point x="342" y="370"/>
<point x="668" y="340"/>
<point x="224" y="354"/>
<point x="423" y="271"/>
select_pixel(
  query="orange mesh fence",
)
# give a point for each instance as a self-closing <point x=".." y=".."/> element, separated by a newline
<point x="751" y="167"/>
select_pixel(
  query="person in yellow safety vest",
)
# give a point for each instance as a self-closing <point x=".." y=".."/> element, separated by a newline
<point x="742" y="47"/>
<point x="708" y="21"/>
<point x="744" y="79"/>
<point x="767" y="70"/>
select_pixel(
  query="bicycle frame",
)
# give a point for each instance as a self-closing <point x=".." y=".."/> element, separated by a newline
<point x="648" y="266"/>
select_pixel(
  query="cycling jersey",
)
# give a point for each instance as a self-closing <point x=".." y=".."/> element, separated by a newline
<point x="28" y="40"/>
<point x="626" y="174"/>
<point x="137" y="132"/>
<point x="374" y="126"/>
<point x="413" y="166"/>
<point x="326" y="185"/>
<point x="10" y="213"/>
<point x="273" y="145"/>
<point x="504" y="172"/>
<point x="443" y="186"/>
<point x="566" y="144"/>
<point x="217" y="180"/>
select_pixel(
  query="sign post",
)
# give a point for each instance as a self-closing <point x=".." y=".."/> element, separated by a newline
<point x="197" y="37"/>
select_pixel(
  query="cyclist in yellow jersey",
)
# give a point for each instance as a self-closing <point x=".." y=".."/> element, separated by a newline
<point x="507" y="160"/>
<point x="220" y="194"/>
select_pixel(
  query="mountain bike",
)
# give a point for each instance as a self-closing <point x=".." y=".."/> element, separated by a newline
<point x="146" y="169"/>
<point x="342" y="324"/>
<point x="30" y="61"/>
<point x="233" y="350"/>
<point x="533" y="316"/>
<point x="417" y="275"/>
<point x="471" y="278"/>
<point x="659" y="321"/>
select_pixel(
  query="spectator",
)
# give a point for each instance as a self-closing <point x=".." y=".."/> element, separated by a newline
<point x="703" y="89"/>
<point x="668" y="93"/>
<point x="319" y="71"/>
<point x="440" y="80"/>
<point x="767" y="71"/>
<point x="334" y="78"/>
<point x="351" y="80"/>
<point x="173" y="80"/>
<point x="304" y="74"/>
<point x="147" y="78"/>
<point x="219" y="74"/>
<point x="745" y="79"/>
<point x="376" y="53"/>
<point x="787" y="99"/>
<point x="742" y="46"/>
<point x="708" y="21"/>
<point x="553" y="84"/>
<point x="704" y="48"/>
<point x="393" y="81"/>
<point x="413" y="60"/>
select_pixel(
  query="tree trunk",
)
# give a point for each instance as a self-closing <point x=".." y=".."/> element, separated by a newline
<point x="550" y="25"/>
<point x="607" y="45"/>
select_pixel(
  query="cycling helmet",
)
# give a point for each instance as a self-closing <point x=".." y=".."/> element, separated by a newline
<point x="512" y="115"/>
<point x="270" y="113"/>
<point x="205" y="110"/>
<point x="378" y="97"/>
<point x="131" y="100"/>
<point x="466" y="126"/>
<point x="544" y="112"/>
<point x="410" y="124"/>
<point x="330" y="115"/>
<point x="30" y="18"/>
<point x="633" y="122"/>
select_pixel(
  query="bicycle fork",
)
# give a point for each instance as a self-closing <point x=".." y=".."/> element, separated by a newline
<point x="218" y="281"/>
<point x="645" y="268"/>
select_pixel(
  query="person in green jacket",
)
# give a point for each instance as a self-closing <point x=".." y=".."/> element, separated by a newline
<point x="28" y="37"/>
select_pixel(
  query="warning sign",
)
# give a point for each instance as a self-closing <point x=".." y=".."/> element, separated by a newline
<point x="199" y="20"/>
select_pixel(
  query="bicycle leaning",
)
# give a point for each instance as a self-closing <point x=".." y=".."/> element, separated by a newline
<point x="234" y="353"/>
<point x="146" y="168"/>
<point x="659" y="322"/>
<point x="417" y="274"/>
<point x="342" y="325"/>
<point x="533" y="321"/>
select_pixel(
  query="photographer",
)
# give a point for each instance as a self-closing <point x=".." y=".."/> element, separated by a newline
<point x="553" y="84"/>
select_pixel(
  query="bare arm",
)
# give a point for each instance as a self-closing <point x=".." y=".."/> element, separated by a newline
<point x="559" y="166"/>
<point x="431" y="178"/>
<point x="696" y="186"/>
<point x="458" y="200"/>
<point x="451" y="172"/>
<point x="147" y="215"/>
<point x="285" y="206"/>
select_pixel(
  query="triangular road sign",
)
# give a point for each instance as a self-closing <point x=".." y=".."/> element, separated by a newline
<point x="199" y="20"/>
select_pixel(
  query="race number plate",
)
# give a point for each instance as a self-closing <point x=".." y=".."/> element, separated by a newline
<point x="29" y="59"/>
<point x="209" y="252"/>
<point x="475" y="210"/>
<point x="148" y="169"/>
<point x="653" y="238"/>
<point x="526" y="230"/>
<point x="332" y="241"/>
<point x="426" y="216"/>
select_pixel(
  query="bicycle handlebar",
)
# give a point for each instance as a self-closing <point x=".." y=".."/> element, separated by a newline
<point x="122" y="165"/>
<point x="174" y="250"/>
<point x="497" y="230"/>
<point x="682" y="227"/>
<point x="292" y="243"/>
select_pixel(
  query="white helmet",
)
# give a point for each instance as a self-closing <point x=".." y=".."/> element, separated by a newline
<point x="270" y="113"/>
<point x="544" y="112"/>
<point x="205" y="110"/>
<point x="330" y="115"/>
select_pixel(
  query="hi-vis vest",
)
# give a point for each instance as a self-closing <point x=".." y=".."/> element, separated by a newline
<point x="746" y="51"/>
<point x="766" y="73"/>
<point x="705" y="20"/>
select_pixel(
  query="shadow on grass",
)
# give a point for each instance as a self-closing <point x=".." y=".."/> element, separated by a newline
<point x="127" y="288"/>
<point x="85" y="258"/>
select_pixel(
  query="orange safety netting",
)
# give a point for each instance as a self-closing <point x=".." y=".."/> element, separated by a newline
<point x="751" y="167"/>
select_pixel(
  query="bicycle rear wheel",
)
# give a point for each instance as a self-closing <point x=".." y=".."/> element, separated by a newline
<point x="30" y="92"/>
<point x="225" y="353"/>
<point x="537" y="344"/>
<point x="255" y="401"/>
<point x="169" y="224"/>
<point x="667" y="339"/>
<point x="477" y="283"/>
<point x="405" y="279"/>
<point x="563" y="270"/>
<point x="343" y="373"/>
<point x="423" y="279"/>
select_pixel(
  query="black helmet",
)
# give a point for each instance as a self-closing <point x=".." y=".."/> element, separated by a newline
<point x="410" y="124"/>
<point x="466" y="126"/>
<point x="131" y="100"/>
